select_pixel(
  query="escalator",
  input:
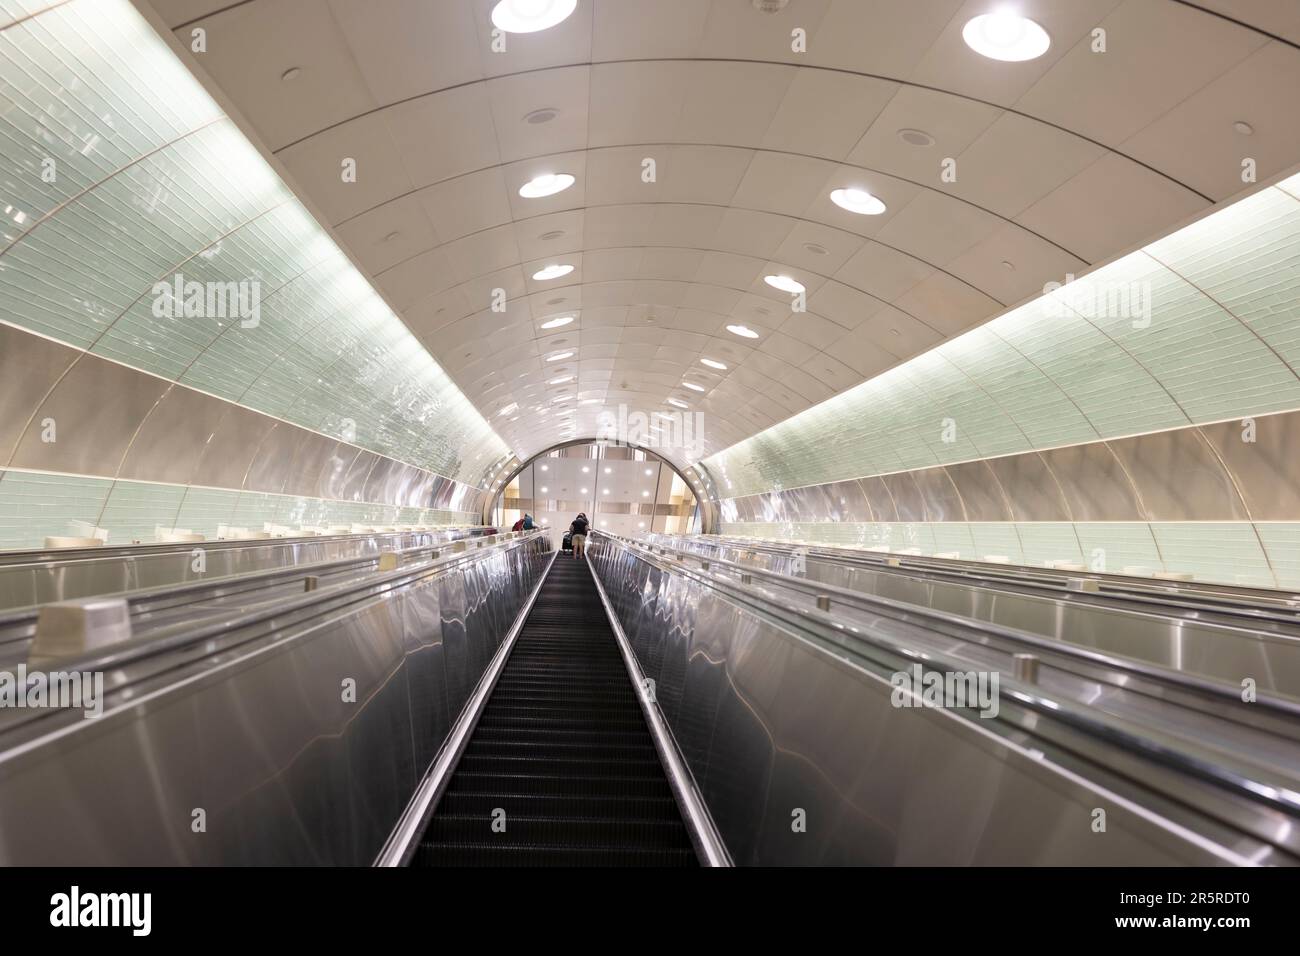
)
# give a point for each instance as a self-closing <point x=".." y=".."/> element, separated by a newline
<point x="561" y="769"/>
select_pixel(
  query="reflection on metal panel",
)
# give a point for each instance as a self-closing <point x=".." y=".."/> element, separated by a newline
<point x="1179" y="477"/>
<point x="96" y="407"/>
<point x="1230" y="471"/>
<point x="777" y="730"/>
<point x="286" y="770"/>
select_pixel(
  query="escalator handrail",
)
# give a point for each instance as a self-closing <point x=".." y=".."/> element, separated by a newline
<point x="1110" y="731"/>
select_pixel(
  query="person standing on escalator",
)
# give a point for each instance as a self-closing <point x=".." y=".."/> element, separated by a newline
<point x="579" y="531"/>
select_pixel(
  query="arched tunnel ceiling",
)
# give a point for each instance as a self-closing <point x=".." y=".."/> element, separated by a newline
<point x="1062" y="162"/>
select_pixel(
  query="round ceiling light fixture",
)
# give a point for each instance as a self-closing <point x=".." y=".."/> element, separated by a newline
<point x="547" y="184"/>
<point x="557" y="322"/>
<point x="530" y="16"/>
<point x="543" y="115"/>
<point x="559" y="356"/>
<point x="744" y="331"/>
<point x="678" y="402"/>
<point x="1006" y="35"/>
<point x="693" y="387"/>
<point x="713" y="363"/>
<point x="916" y="137"/>
<point x="857" y="201"/>
<point x="552" y="272"/>
<point x="784" y="283"/>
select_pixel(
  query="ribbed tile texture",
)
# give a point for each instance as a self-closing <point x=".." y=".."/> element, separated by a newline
<point x="561" y="757"/>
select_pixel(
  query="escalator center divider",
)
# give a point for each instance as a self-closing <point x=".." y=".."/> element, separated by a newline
<point x="561" y="768"/>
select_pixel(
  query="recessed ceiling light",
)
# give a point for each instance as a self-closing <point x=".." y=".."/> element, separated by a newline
<point x="563" y="398"/>
<point x="713" y="364"/>
<point x="649" y="471"/>
<point x="693" y="387"/>
<point x="784" y="283"/>
<point x="558" y="356"/>
<point x="552" y="272"/>
<point x="816" y="248"/>
<point x="605" y="492"/>
<point x="553" y="234"/>
<point x="857" y="201"/>
<point x="392" y="237"/>
<point x="916" y="137"/>
<point x="1005" y="35"/>
<point x="509" y="409"/>
<point x="561" y="380"/>
<point x="678" y="402"/>
<point x="544" y="489"/>
<point x="546" y="467"/>
<point x="645" y="494"/>
<point x="547" y="184"/>
<point x="530" y="16"/>
<point x="744" y="331"/>
<point x="1009" y="265"/>
<point x="543" y="115"/>
<point x="585" y="469"/>
<point x="608" y="470"/>
<point x="590" y="401"/>
<point x="556" y="323"/>
<point x="1242" y="127"/>
<point x="582" y="491"/>
<point x="291" y="74"/>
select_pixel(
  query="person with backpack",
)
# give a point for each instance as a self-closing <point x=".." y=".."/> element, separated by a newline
<point x="579" y="531"/>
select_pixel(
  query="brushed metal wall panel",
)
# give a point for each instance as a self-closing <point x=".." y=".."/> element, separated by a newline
<point x="172" y="439"/>
<point x="313" y="454"/>
<point x="878" y="499"/>
<point x="271" y="465"/>
<point x="1266" y="470"/>
<point x="230" y="452"/>
<point x="379" y="480"/>
<point x="1179" y="477"/>
<point x="907" y="498"/>
<point x="849" y="502"/>
<point x="1095" y="483"/>
<point x="354" y="481"/>
<point x="332" y="479"/>
<point x="29" y="367"/>
<point x="1031" y="487"/>
<point x="981" y="495"/>
<point x="942" y="503"/>
<point x="97" y="407"/>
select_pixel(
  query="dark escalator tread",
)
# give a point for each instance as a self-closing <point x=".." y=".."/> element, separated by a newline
<point x="561" y="748"/>
<point x="606" y="832"/>
<point x="545" y="805"/>
<point x="479" y="854"/>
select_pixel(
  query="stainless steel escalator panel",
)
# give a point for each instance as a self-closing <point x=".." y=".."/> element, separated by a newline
<point x="773" y="725"/>
<point x="40" y="577"/>
<point x="259" y="737"/>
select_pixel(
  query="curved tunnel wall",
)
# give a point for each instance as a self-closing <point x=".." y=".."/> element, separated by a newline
<point x="141" y="227"/>
<point x="1142" y="413"/>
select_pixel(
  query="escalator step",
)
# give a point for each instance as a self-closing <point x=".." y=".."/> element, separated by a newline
<point x="555" y="831"/>
<point x="442" y="854"/>
<point x="546" y="805"/>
